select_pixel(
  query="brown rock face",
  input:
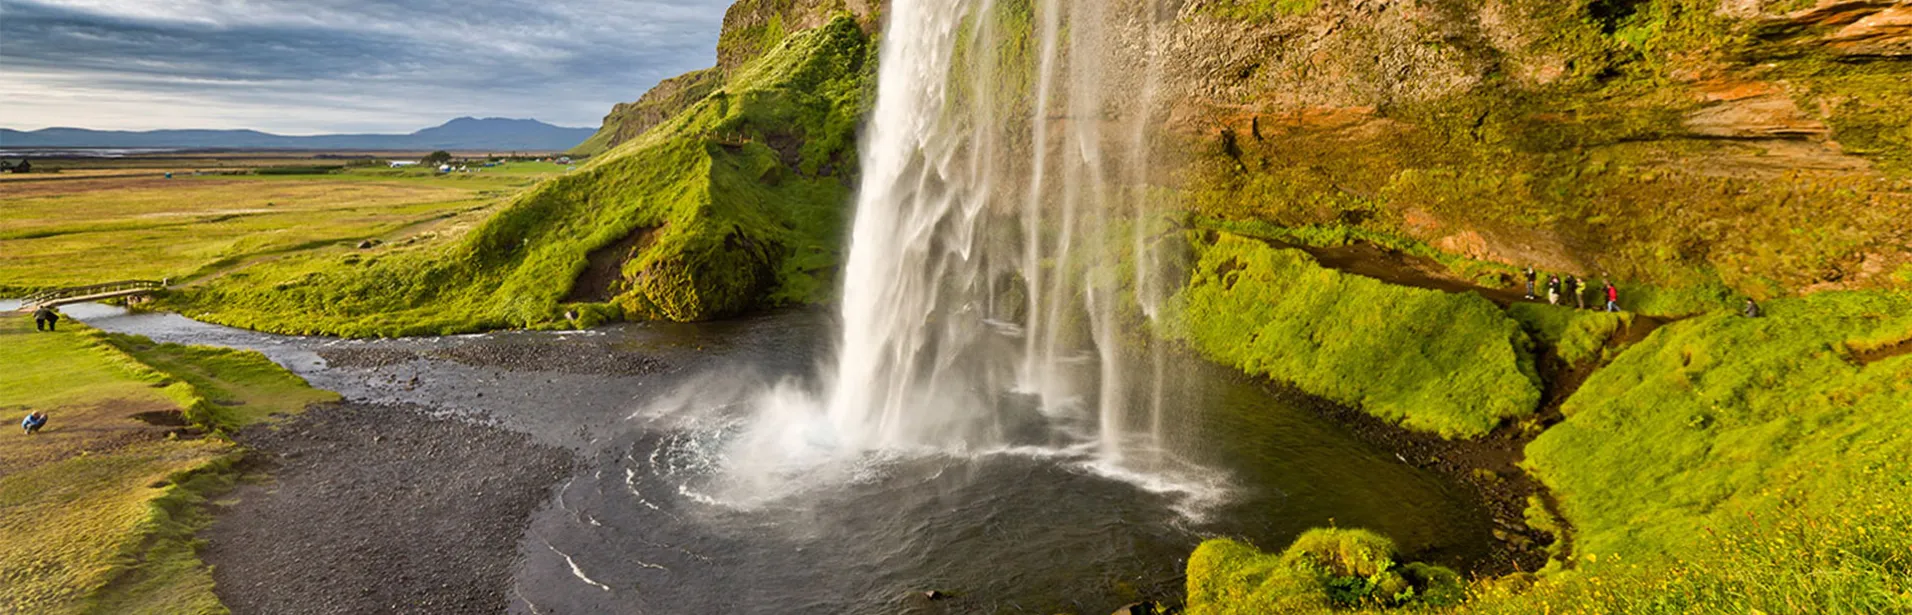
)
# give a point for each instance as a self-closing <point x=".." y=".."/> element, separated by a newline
<point x="1885" y="33"/>
<point x="1852" y="28"/>
<point x="1751" y="110"/>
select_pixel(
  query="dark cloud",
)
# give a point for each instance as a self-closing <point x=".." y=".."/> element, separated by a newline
<point x="338" y="65"/>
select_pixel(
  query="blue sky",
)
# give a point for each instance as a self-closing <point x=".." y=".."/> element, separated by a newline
<point x="320" y="66"/>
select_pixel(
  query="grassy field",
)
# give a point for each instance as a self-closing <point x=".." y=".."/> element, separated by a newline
<point x="94" y="229"/>
<point x="99" y="508"/>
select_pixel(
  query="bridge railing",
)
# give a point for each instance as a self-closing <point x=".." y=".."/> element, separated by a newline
<point x="57" y="294"/>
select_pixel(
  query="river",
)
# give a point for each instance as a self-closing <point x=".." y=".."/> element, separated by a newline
<point x="659" y="518"/>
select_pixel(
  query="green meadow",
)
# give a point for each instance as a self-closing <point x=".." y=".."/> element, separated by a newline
<point x="100" y="507"/>
<point x="92" y="229"/>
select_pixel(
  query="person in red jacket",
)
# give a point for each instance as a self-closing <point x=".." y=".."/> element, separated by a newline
<point x="1613" y="297"/>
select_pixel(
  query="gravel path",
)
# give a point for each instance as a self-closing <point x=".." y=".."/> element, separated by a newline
<point x="376" y="509"/>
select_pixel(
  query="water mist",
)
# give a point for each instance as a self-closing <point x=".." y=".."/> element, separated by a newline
<point x="1001" y="269"/>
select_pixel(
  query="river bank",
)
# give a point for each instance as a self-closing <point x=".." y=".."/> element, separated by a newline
<point x="354" y="508"/>
<point x="644" y="515"/>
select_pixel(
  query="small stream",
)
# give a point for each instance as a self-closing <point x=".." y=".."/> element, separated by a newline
<point x="657" y="521"/>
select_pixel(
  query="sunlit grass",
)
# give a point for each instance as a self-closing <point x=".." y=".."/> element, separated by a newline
<point x="98" y="510"/>
<point x="1451" y="364"/>
<point x="69" y="233"/>
<point x="1724" y="465"/>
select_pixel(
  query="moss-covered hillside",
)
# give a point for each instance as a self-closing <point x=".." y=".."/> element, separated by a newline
<point x="1758" y="147"/>
<point x="736" y="202"/>
<point x="751" y="29"/>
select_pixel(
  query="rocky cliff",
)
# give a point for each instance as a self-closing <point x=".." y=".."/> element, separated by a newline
<point x="1737" y="146"/>
<point x="1696" y="149"/>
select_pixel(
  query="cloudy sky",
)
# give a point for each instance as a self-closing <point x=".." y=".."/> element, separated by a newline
<point x="318" y="66"/>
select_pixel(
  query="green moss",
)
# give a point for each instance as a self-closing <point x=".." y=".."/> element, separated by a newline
<point x="1326" y="569"/>
<point x="1431" y="361"/>
<point x="1576" y="336"/>
<point x="1259" y="11"/>
<point x="1716" y="409"/>
<point x="666" y="100"/>
<point x="1597" y="162"/>
<point x="1341" y="553"/>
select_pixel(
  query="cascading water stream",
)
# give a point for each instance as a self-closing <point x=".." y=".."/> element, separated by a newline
<point x="1003" y="195"/>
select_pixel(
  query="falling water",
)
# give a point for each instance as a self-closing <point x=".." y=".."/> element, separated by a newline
<point x="1003" y="197"/>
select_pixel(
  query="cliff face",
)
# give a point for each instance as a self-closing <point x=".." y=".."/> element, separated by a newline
<point x="1742" y="146"/>
<point x="1712" y="147"/>
<point x="670" y="97"/>
<point x="751" y="29"/>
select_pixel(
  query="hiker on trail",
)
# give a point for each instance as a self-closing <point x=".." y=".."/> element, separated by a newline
<point x="1752" y="309"/>
<point x="33" y="422"/>
<point x="1530" y="281"/>
<point x="1613" y="297"/>
<point x="45" y="318"/>
<point x="1573" y="291"/>
<point x="1553" y="290"/>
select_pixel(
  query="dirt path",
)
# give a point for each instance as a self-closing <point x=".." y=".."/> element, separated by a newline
<point x="1368" y="260"/>
<point x="379" y="510"/>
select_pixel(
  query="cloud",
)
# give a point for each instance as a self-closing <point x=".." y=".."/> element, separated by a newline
<point x="310" y="66"/>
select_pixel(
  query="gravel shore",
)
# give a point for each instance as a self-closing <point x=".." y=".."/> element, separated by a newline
<point x="376" y="509"/>
<point x="577" y="357"/>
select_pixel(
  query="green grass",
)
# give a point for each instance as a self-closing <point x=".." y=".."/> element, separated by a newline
<point x="77" y="233"/>
<point x="742" y="196"/>
<point x="1724" y="465"/>
<point x="1722" y="409"/>
<point x="99" y="508"/>
<point x="1324" y="570"/>
<point x="1259" y="11"/>
<point x="1443" y="363"/>
<point x="1575" y="335"/>
<point x="223" y="388"/>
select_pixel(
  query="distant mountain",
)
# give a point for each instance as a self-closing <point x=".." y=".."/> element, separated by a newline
<point x="464" y="133"/>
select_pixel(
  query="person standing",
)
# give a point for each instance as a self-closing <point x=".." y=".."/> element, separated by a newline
<point x="1531" y="276"/>
<point x="1553" y="290"/>
<point x="1613" y="297"/>
<point x="44" y="319"/>
<point x="1573" y="292"/>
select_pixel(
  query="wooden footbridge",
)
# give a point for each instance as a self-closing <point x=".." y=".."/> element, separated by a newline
<point x="95" y="292"/>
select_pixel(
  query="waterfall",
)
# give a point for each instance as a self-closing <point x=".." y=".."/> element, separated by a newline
<point x="1001" y="260"/>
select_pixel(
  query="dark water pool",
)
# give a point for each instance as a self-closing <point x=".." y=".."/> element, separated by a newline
<point x="658" y="520"/>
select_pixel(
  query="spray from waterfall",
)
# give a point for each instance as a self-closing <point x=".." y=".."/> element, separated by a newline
<point x="1001" y="267"/>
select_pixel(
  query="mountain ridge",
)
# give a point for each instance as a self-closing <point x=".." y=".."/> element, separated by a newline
<point x="462" y="133"/>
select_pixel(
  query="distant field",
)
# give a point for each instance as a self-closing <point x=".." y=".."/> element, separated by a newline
<point x="98" y="225"/>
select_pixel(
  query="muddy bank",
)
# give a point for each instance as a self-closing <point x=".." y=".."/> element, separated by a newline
<point x="378" y="509"/>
